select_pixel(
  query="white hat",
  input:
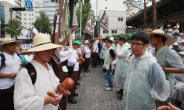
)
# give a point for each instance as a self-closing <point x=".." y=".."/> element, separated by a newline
<point x="86" y="41"/>
<point x="41" y="42"/>
<point x="175" y="27"/>
<point x="182" y="52"/>
<point x="7" y="40"/>
<point x="175" y="43"/>
<point x="169" y="40"/>
<point x="112" y="39"/>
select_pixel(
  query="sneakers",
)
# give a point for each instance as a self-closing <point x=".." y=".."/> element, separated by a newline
<point x="109" y="89"/>
<point x="106" y="85"/>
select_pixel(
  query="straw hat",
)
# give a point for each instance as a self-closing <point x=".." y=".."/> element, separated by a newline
<point x="7" y="40"/>
<point x="175" y="27"/>
<point x="160" y="32"/>
<point x="41" y="42"/>
<point x="175" y="43"/>
<point x="86" y="42"/>
<point x="112" y="39"/>
<point x="181" y="53"/>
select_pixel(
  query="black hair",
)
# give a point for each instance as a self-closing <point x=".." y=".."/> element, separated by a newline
<point x="108" y="40"/>
<point x="122" y="38"/>
<point x="142" y="37"/>
<point x="163" y="38"/>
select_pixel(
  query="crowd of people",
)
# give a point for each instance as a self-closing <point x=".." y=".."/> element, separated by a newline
<point x="145" y="70"/>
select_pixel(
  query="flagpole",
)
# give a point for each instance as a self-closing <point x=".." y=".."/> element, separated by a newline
<point x="81" y="20"/>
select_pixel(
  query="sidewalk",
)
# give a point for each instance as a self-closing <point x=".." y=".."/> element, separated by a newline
<point x="92" y="93"/>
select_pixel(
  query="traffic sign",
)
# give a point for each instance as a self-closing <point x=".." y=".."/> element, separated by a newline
<point x="28" y="4"/>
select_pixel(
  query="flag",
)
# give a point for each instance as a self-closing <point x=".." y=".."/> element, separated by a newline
<point x="35" y="31"/>
<point x="59" y="24"/>
<point x="74" y="23"/>
<point x="104" y="22"/>
<point x="90" y="25"/>
<point x="74" y="20"/>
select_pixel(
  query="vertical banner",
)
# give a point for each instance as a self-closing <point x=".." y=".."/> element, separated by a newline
<point x="90" y="25"/>
<point x="104" y="22"/>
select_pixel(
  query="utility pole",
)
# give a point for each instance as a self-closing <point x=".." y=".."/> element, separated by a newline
<point x="145" y="22"/>
<point x="154" y="14"/>
<point x="81" y="21"/>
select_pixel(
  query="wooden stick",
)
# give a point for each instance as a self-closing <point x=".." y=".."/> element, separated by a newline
<point x="51" y="94"/>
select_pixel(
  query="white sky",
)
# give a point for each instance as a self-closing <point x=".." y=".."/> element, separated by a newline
<point x="93" y="5"/>
<point x="10" y="1"/>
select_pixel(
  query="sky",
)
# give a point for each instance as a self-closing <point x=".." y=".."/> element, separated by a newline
<point x="10" y="1"/>
<point x="93" y="5"/>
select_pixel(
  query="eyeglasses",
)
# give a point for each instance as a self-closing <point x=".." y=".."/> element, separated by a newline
<point x="136" y="44"/>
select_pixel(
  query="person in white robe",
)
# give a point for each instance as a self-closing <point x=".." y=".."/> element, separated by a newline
<point x="122" y="50"/>
<point x="28" y="96"/>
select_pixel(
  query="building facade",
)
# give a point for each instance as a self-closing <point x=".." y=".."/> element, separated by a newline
<point x="116" y="13"/>
<point x="5" y="15"/>
<point x="28" y="17"/>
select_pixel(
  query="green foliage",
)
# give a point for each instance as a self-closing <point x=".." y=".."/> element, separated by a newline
<point x="85" y="11"/>
<point x="14" y="28"/>
<point x="42" y="23"/>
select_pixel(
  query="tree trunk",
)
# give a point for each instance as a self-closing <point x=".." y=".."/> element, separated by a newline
<point x="154" y="14"/>
<point x="145" y="22"/>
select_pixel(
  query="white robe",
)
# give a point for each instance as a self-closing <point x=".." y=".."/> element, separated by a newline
<point x="31" y="97"/>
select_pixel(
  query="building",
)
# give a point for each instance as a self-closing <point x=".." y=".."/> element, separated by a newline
<point x="5" y="15"/>
<point x="28" y="17"/>
<point x="116" y="13"/>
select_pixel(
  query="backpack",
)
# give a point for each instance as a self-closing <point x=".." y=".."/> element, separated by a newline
<point x="30" y="68"/>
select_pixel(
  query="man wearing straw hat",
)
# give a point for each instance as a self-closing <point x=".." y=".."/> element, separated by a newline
<point x="166" y="57"/>
<point x="8" y="71"/>
<point x="34" y="96"/>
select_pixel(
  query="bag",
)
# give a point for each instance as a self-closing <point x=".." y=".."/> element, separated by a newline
<point x="70" y="69"/>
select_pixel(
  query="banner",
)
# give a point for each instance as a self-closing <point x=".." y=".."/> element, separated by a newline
<point x="104" y="22"/>
<point x="59" y="22"/>
<point x="90" y="24"/>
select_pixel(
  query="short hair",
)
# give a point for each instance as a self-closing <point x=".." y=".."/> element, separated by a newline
<point x="122" y="38"/>
<point x="108" y="40"/>
<point x="163" y="38"/>
<point x="142" y="37"/>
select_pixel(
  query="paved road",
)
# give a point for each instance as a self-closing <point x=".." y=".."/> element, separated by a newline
<point x="92" y="93"/>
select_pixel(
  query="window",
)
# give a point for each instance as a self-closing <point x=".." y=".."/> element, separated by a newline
<point x="29" y="18"/>
<point x="114" y="31"/>
<point x="105" y="31"/>
<point x="25" y="19"/>
<point x="32" y="18"/>
<point x="25" y="23"/>
<point x="32" y="14"/>
<point x="120" y="19"/>
<point x="105" y="7"/>
<point x="25" y="14"/>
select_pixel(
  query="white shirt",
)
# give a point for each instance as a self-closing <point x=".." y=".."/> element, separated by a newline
<point x="31" y="97"/>
<point x="95" y="46"/>
<point x="73" y="60"/>
<point x="65" y="54"/>
<point x="87" y="52"/>
<point x="12" y="66"/>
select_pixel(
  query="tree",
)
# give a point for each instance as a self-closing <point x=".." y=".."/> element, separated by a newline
<point x="14" y="28"/>
<point x="42" y="23"/>
<point x="85" y="11"/>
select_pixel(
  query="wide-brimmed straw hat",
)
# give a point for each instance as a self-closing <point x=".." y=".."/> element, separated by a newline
<point x="175" y="43"/>
<point x="175" y="27"/>
<point x="112" y="39"/>
<point x="8" y="40"/>
<point x="169" y="40"/>
<point x="41" y="42"/>
<point x="181" y="53"/>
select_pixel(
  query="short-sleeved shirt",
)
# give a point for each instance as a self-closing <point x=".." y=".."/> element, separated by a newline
<point x="12" y="66"/>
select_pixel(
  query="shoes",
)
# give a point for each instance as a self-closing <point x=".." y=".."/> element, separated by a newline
<point x="72" y="101"/>
<point x="86" y="70"/>
<point x="78" y="83"/>
<point x="120" y="97"/>
<point x="109" y="88"/>
<point x="106" y="85"/>
<point x="120" y="91"/>
<point x="75" y="95"/>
